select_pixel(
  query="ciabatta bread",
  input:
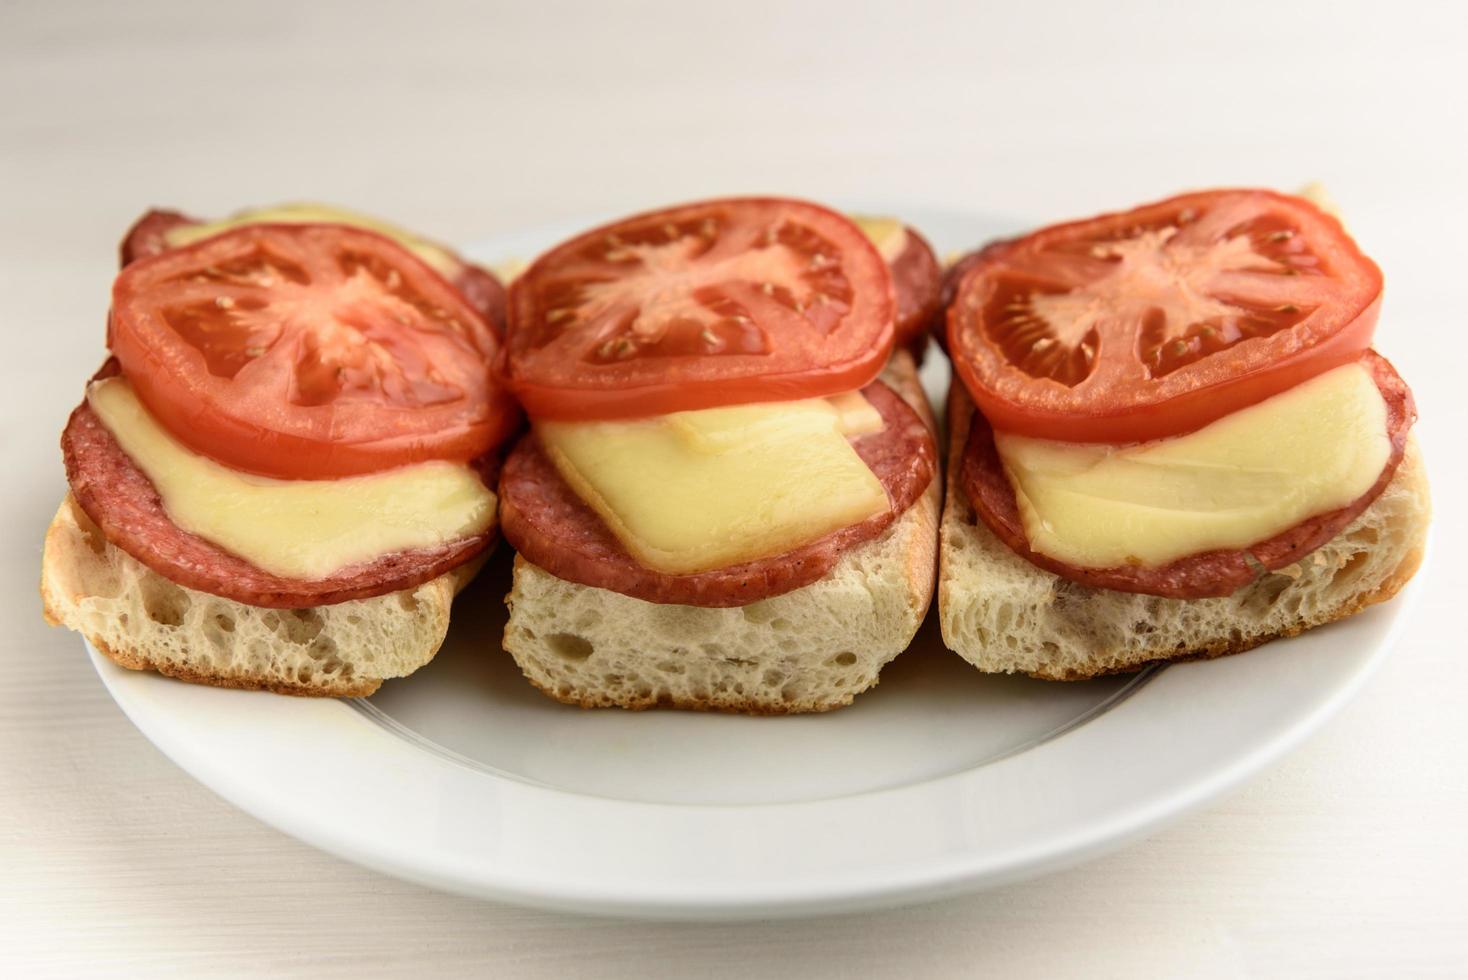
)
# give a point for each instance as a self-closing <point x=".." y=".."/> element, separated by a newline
<point x="143" y="621"/>
<point x="1005" y="615"/>
<point x="811" y="649"/>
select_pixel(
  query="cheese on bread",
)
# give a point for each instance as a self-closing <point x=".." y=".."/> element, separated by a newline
<point x="303" y="529"/>
<point x="691" y="491"/>
<point x="1240" y="480"/>
<point x="888" y="234"/>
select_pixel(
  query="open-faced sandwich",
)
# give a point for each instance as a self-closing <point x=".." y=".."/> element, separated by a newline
<point x="728" y="498"/>
<point x="285" y="470"/>
<point x="1169" y="437"/>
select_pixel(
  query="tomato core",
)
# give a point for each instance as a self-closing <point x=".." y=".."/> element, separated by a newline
<point x="308" y="351"/>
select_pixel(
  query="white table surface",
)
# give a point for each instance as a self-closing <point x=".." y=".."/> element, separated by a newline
<point x="1349" y="858"/>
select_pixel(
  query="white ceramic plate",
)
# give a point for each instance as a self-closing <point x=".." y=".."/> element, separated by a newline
<point x="941" y="780"/>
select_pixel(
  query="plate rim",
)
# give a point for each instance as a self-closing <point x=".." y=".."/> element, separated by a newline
<point x="692" y="900"/>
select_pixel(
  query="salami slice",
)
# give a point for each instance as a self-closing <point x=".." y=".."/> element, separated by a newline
<point x="549" y="525"/>
<point x="120" y="500"/>
<point x="149" y="236"/>
<point x="1209" y="573"/>
<point x="917" y="279"/>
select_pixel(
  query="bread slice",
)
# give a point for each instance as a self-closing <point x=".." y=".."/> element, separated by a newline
<point x="1004" y="615"/>
<point x="811" y="649"/>
<point x="143" y="621"/>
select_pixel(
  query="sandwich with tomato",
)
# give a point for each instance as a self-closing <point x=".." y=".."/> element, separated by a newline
<point x="728" y="496"/>
<point x="285" y="470"/>
<point x="1170" y="438"/>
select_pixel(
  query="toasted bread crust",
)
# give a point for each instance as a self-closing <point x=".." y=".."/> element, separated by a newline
<point x="133" y="661"/>
<point x="1400" y="576"/>
<point x="141" y="621"/>
<point x="717" y="704"/>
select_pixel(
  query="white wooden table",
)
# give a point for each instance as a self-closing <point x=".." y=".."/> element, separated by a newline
<point x="462" y="120"/>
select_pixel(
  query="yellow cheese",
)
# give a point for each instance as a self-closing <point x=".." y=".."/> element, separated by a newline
<point x="1316" y="194"/>
<point x="303" y="529"/>
<point x="509" y="270"/>
<point x="857" y="416"/>
<point x="692" y="491"/>
<point x="1238" y="481"/>
<point x="888" y="234"/>
<point x="293" y="214"/>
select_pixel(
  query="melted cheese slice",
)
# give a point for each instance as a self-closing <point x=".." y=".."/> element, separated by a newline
<point x="302" y="529"/>
<point x="855" y="415"/>
<point x="691" y="491"/>
<point x="1233" y="483"/>
<point x="440" y="259"/>
<point x="888" y="234"/>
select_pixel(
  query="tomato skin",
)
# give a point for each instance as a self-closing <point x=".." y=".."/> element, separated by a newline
<point x="545" y="402"/>
<point x="1125" y="398"/>
<point x="624" y="356"/>
<point x="313" y="375"/>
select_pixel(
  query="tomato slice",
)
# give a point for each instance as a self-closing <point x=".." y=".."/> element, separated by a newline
<point x="308" y="351"/>
<point x="713" y="303"/>
<point x="1157" y="321"/>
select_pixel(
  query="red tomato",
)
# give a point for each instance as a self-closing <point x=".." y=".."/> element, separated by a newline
<point x="1157" y="321"/>
<point x="308" y="351"/>
<point x="714" y="303"/>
